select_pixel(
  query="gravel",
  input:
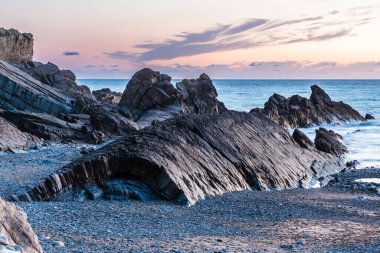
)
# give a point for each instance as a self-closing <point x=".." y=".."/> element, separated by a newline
<point x="331" y="219"/>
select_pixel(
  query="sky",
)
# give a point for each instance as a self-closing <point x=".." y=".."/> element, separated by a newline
<point x="239" y="39"/>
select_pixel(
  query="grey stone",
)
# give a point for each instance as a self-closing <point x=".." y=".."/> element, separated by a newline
<point x="20" y="91"/>
<point x="15" y="47"/>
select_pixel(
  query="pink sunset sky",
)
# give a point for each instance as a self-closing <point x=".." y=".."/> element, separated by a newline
<point x="226" y="39"/>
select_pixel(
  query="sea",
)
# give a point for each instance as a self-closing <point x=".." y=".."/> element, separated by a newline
<point x="362" y="138"/>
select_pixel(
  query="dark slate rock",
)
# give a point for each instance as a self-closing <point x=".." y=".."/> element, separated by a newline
<point x="189" y="157"/>
<point x="21" y="91"/>
<point x="298" y="111"/>
<point x="148" y="89"/>
<point x="302" y="139"/>
<point x="199" y="96"/>
<point x="369" y="117"/>
<point x="106" y="95"/>
<point x="330" y="142"/>
<point x="62" y="80"/>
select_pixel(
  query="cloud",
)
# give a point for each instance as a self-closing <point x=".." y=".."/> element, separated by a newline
<point x="71" y="53"/>
<point x="121" y="55"/>
<point x="250" y="33"/>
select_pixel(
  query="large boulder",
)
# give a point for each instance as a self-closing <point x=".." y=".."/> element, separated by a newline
<point x="11" y="137"/>
<point x="298" y="111"/>
<point x="199" y="96"/>
<point x="15" y="47"/>
<point x="148" y="89"/>
<point x="189" y="157"/>
<point x="16" y="235"/>
<point x="21" y="91"/>
<point x="62" y="80"/>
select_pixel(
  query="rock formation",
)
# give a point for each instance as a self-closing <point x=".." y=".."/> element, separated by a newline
<point x="148" y="89"/>
<point x="15" y="47"/>
<point x="16" y="235"/>
<point x="20" y="91"/>
<point x="369" y="117"/>
<point x="62" y="80"/>
<point x="48" y="127"/>
<point x="192" y="156"/>
<point x="106" y="95"/>
<point x="298" y="111"/>
<point x="330" y="142"/>
<point x="199" y="96"/>
<point x="11" y="137"/>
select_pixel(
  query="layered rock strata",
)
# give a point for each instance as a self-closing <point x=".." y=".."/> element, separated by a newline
<point x="189" y="157"/>
<point x="20" y="91"/>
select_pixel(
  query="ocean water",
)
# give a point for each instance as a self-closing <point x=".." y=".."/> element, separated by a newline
<point x="362" y="139"/>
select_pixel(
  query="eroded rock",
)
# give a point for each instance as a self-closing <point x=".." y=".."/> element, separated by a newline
<point x="21" y="91"/>
<point x="16" y="235"/>
<point x="11" y="137"/>
<point x="148" y="89"/>
<point x="106" y="95"/>
<point x="330" y="142"/>
<point x="298" y="111"/>
<point x="199" y="96"/>
<point x="15" y="47"/>
<point x="190" y="157"/>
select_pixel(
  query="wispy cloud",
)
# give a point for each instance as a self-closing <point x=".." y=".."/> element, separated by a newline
<point x="71" y="53"/>
<point x="249" y="33"/>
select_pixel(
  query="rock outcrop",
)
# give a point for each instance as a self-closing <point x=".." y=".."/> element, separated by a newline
<point x="298" y="111"/>
<point x="330" y="142"/>
<point x="47" y="127"/>
<point x="302" y="139"/>
<point x="192" y="156"/>
<point x="106" y="95"/>
<point x="199" y="96"/>
<point x="369" y="117"/>
<point x="15" y="47"/>
<point x="20" y="91"/>
<point x="11" y="137"/>
<point x="62" y="80"/>
<point x="16" y="235"/>
<point x="148" y="89"/>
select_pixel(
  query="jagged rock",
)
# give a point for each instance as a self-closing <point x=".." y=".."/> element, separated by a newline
<point x="153" y="116"/>
<point x="199" y="96"/>
<point x="298" y="111"/>
<point x="62" y="80"/>
<point x="302" y="139"/>
<point x="369" y="117"/>
<point x="15" y="47"/>
<point x="11" y="137"/>
<point x="192" y="156"/>
<point x="15" y="231"/>
<point x="148" y="89"/>
<point x="20" y="91"/>
<point x="106" y="95"/>
<point x="330" y="142"/>
<point x="111" y="123"/>
<point x="51" y="128"/>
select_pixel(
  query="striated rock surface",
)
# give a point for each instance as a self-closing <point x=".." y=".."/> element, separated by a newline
<point x="51" y="128"/>
<point x="190" y="157"/>
<point x="302" y="139"/>
<point x="148" y="89"/>
<point x="199" y="96"/>
<point x="15" y="47"/>
<point x="16" y="235"/>
<point x="106" y="95"/>
<point x="20" y="91"/>
<point x="298" y="111"/>
<point x="62" y="80"/>
<point x="11" y="137"/>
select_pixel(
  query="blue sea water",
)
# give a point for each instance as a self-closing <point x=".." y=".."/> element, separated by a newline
<point x="363" y="139"/>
